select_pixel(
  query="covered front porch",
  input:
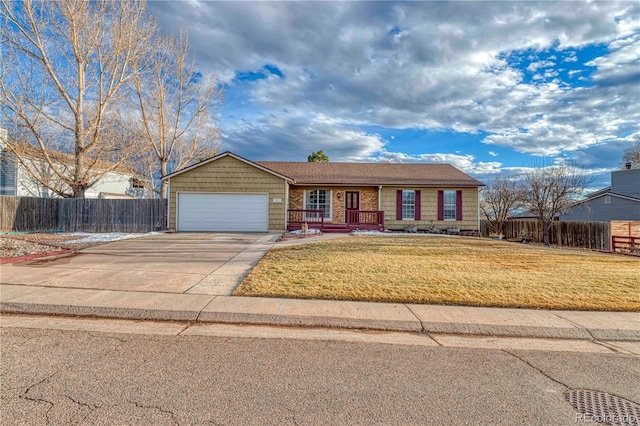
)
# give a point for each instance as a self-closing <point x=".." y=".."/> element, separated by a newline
<point x="335" y="209"/>
<point x="356" y="220"/>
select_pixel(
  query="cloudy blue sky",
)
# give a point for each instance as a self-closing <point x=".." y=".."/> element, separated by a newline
<point x="490" y="87"/>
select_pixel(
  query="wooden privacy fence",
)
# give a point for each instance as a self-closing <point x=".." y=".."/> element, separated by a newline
<point x="623" y="228"/>
<point x="85" y="215"/>
<point x="591" y="235"/>
<point x="625" y="237"/>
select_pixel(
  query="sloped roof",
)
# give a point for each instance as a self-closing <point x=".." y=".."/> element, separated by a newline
<point x="401" y="174"/>
<point x="62" y="158"/>
<point x="600" y="194"/>
<point x="596" y="194"/>
<point x="223" y="155"/>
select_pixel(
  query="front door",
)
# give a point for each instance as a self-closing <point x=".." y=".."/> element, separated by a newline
<point x="352" y="206"/>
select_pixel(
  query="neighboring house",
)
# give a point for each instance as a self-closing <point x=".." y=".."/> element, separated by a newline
<point x="620" y="201"/>
<point x="528" y="215"/>
<point x="230" y="193"/>
<point x="16" y="180"/>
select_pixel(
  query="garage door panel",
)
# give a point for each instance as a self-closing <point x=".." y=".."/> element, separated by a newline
<point x="223" y="212"/>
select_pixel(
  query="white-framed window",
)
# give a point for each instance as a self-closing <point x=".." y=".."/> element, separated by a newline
<point x="408" y="204"/>
<point x="8" y="174"/>
<point x="607" y="199"/>
<point x="318" y="199"/>
<point x="449" y="205"/>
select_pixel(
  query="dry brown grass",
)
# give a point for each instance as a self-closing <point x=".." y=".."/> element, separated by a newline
<point x="460" y="271"/>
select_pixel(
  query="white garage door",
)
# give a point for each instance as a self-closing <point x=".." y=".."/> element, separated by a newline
<point x="223" y="212"/>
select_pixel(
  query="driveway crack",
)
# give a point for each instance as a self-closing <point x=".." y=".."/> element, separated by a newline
<point x="422" y="329"/>
<point x="576" y="324"/>
<point x="189" y="324"/>
<point x="82" y="404"/>
<point x="106" y="335"/>
<point x="564" y="385"/>
<point x="155" y="407"/>
<point x="46" y="414"/>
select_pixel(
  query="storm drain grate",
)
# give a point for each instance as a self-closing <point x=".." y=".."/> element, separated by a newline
<point x="601" y="407"/>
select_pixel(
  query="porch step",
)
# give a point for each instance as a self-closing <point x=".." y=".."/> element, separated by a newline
<point x="336" y="230"/>
<point x="339" y="228"/>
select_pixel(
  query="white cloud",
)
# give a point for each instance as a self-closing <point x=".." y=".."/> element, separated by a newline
<point x="535" y="66"/>
<point x="465" y="163"/>
<point x="493" y="154"/>
<point x="431" y="65"/>
<point x="291" y="137"/>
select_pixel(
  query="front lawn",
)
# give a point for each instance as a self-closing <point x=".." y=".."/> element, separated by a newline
<point x="439" y="270"/>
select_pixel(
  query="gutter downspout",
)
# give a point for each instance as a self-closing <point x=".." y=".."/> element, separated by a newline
<point x="169" y="204"/>
<point x="286" y="205"/>
<point x="478" y="210"/>
<point x="380" y="202"/>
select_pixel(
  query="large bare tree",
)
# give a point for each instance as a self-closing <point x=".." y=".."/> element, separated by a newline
<point x="550" y="190"/>
<point x="63" y="74"/>
<point x="499" y="199"/>
<point x="632" y="156"/>
<point x="176" y="123"/>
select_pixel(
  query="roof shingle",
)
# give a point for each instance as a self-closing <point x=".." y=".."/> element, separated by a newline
<point x="401" y="174"/>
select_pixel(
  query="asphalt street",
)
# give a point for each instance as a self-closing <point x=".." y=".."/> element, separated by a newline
<point x="88" y="377"/>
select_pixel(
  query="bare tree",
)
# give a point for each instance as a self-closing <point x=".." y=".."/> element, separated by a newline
<point x="551" y="190"/>
<point x="63" y="76"/>
<point x="176" y="124"/>
<point x="632" y="155"/>
<point x="499" y="199"/>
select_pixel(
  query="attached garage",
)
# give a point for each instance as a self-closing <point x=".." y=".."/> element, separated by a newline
<point x="203" y="212"/>
<point x="227" y="193"/>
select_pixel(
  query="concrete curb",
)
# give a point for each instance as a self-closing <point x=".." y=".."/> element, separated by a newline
<point x="49" y="255"/>
<point x="102" y="303"/>
<point x="310" y="313"/>
<point x="498" y="322"/>
<point x="98" y="312"/>
<point x="509" y="331"/>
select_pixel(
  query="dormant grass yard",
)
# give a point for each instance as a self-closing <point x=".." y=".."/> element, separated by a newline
<point x="460" y="271"/>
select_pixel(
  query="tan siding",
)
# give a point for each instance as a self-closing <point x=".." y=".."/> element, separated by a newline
<point x="429" y="209"/>
<point x="228" y="174"/>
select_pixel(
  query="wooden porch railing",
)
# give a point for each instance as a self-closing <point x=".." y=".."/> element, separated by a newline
<point x="305" y="216"/>
<point x="365" y="217"/>
<point x="625" y="245"/>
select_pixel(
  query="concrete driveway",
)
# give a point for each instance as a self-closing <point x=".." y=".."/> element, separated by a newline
<point x="195" y="263"/>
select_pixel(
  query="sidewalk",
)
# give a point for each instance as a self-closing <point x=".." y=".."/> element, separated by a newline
<point x="612" y="326"/>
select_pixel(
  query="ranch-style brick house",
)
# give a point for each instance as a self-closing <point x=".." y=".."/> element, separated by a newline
<point x="228" y="193"/>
